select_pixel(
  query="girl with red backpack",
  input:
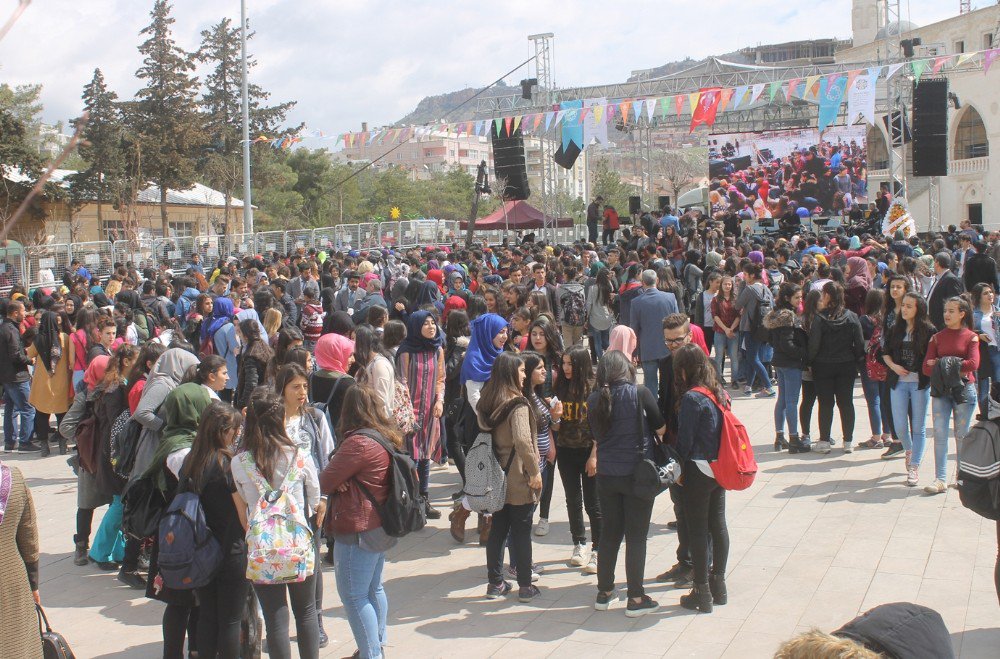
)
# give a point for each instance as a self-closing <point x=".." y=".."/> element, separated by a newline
<point x="699" y="433"/>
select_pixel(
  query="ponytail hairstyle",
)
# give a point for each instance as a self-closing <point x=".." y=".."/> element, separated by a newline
<point x="614" y="367"/>
<point x="264" y="436"/>
<point x="208" y="365"/>
<point x="964" y="307"/>
<point x="119" y="366"/>
<point x="836" y="294"/>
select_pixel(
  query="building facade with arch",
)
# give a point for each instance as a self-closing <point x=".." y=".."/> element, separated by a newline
<point x="972" y="188"/>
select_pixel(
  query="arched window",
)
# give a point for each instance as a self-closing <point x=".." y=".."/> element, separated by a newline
<point x="970" y="136"/>
<point x="878" y="152"/>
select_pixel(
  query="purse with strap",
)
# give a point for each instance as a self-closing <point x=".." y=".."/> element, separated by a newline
<point x="648" y="478"/>
<point x="54" y="645"/>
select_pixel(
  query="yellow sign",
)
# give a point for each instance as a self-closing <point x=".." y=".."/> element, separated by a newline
<point x="394" y="213"/>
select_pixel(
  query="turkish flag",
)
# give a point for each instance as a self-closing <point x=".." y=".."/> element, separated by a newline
<point x="708" y="106"/>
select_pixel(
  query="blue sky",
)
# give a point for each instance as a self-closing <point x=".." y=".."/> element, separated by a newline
<point x="348" y="61"/>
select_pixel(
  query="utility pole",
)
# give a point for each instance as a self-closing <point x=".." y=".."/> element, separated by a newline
<point x="544" y="97"/>
<point x="247" y="204"/>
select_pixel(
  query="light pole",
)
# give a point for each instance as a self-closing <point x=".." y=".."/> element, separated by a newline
<point x="247" y="204"/>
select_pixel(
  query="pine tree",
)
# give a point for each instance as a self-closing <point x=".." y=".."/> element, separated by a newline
<point x="221" y="103"/>
<point x="102" y="180"/>
<point x="164" y="116"/>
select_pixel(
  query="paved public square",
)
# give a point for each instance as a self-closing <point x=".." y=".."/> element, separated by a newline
<point x="817" y="540"/>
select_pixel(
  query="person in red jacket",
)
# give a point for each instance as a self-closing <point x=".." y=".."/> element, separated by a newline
<point x="359" y="469"/>
<point x="611" y="224"/>
<point x="956" y="340"/>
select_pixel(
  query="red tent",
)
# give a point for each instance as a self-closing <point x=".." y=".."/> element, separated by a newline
<point x="516" y="215"/>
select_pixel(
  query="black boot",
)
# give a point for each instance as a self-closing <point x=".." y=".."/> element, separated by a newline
<point x="699" y="599"/>
<point x="80" y="555"/>
<point x="796" y="445"/>
<point x="44" y="444"/>
<point x="63" y="448"/>
<point x="780" y="443"/>
<point x="717" y="584"/>
<point x="432" y="513"/>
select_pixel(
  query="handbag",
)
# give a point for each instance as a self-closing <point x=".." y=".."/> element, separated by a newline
<point x="143" y="504"/>
<point x="648" y="478"/>
<point x="54" y="645"/>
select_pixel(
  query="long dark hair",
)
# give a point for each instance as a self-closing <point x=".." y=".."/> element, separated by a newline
<point x="210" y="446"/>
<point x="604" y="288"/>
<point x="264" y="436"/>
<point x="367" y="345"/>
<point x="531" y="362"/>
<point x="922" y="327"/>
<point x="836" y="294"/>
<point x="255" y="346"/>
<point x="553" y="340"/>
<point x="614" y="367"/>
<point x="692" y="368"/>
<point x="286" y="374"/>
<point x="581" y="384"/>
<point x="208" y="365"/>
<point x="964" y="307"/>
<point x="140" y="369"/>
<point x="810" y="307"/>
<point x="502" y="385"/>
<point x="786" y="292"/>
<point x="363" y="410"/>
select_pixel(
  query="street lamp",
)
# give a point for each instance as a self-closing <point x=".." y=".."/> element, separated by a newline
<point x="247" y="204"/>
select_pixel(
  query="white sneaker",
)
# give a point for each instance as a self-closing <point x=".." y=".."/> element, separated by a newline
<point x="822" y="447"/>
<point x="542" y="528"/>
<point x="911" y="477"/>
<point x="579" y="557"/>
<point x="937" y="487"/>
<point x="848" y="447"/>
<point x="591" y="566"/>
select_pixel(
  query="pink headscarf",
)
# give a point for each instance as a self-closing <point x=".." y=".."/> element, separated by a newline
<point x="95" y="371"/>
<point x="333" y="351"/>
<point x="623" y="338"/>
<point x="857" y="273"/>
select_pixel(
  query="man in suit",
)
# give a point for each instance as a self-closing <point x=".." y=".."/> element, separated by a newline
<point x="646" y="314"/>
<point x="946" y="285"/>
<point x="345" y="299"/>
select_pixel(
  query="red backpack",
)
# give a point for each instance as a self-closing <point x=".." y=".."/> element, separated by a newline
<point x="735" y="467"/>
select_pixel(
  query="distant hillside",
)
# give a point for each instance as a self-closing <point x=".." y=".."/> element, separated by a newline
<point x="676" y="67"/>
<point x="433" y="108"/>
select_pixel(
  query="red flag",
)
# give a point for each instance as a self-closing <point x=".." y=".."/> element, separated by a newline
<point x="707" y="108"/>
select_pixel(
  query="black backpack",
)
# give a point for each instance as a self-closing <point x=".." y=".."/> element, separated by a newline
<point x="979" y="469"/>
<point x="765" y="303"/>
<point x="403" y="512"/>
<point x="324" y="408"/>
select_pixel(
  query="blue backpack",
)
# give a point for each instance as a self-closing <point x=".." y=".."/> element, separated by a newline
<point x="189" y="554"/>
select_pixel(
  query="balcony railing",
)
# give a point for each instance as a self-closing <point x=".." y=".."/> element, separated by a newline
<point x="969" y="166"/>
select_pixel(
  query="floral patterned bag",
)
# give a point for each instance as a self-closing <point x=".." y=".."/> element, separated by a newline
<point x="279" y="541"/>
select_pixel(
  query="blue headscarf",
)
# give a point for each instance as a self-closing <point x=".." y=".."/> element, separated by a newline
<point x="252" y="315"/>
<point x="222" y="313"/>
<point x="482" y="353"/>
<point x="415" y="341"/>
<point x="855" y="243"/>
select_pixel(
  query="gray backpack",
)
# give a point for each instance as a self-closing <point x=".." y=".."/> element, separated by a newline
<point x="485" y="479"/>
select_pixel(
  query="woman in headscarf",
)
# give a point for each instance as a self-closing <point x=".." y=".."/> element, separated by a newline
<point x="421" y="369"/>
<point x="167" y="373"/>
<point x="437" y="276"/>
<point x="181" y="413"/>
<point x="397" y="299"/>
<point x="51" y="383"/>
<point x="222" y="313"/>
<point x="623" y="339"/>
<point x="334" y="357"/>
<point x="859" y="282"/>
<point x="339" y="322"/>
<point x="251" y="314"/>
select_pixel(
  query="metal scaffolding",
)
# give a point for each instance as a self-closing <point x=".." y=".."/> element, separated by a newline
<point x="897" y="95"/>
<point x="543" y="97"/>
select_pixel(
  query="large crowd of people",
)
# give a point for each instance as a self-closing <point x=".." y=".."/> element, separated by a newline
<point x="285" y="383"/>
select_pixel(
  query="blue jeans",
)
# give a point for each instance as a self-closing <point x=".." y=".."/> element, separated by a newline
<point x="875" y="402"/>
<point x="786" y="407"/>
<point x="743" y="356"/>
<point x="600" y="340"/>
<point x="359" y="582"/>
<point x="944" y="409"/>
<point x="727" y="346"/>
<point x="651" y="376"/>
<point x="755" y="368"/>
<point x="15" y="400"/>
<point x="909" y="410"/>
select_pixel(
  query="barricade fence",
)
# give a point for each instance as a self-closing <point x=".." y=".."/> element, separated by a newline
<point x="45" y="265"/>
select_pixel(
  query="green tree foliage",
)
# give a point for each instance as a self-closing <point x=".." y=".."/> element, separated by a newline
<point x="221" y="163"/>
<point x="606" y="182"/>
<point x="19" y="110"/>
<point x="164" y="116"/>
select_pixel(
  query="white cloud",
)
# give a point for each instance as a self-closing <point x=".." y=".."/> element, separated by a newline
<point x="348" y="61"/>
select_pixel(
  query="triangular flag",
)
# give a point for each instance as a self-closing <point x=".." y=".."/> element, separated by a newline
<point x="679" y="100"/>
<point x="497" y="123"/>
<point x="665" y="105"/>
<point x="773" y="89"/>
<point x="637" y="109"/>
<point x="340" y="138"/>
<point x="694" y="98"/>
<point x="792" y="84"/>
<point x="919" y="66"/>
<point x="989" y="57"/>
<point x="738" y="95"/>
<point x="964" y="57"/>
<point x="517" y="123"/>
<point x="758" y="89"/>
<point x="725" y="96"/>
<point x="583" y="114"/>
<point x="810" y="85"/>
<point x="650" y="108"/>
<point x="538" y="120"/>
<point x="598" y="114"/>
<point x="939" y="62"/>
<point x="609" y="115"/>
<point x="548" y="120"/>
<point x="560" y="115"/>
<point x="625" y="106"/>
<point x="507" y="121"/>
<point x="893" y="68"/>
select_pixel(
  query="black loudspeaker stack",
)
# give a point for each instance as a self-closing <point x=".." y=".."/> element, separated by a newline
<point x="664" y="201"/>
<point x="509" y="164"/>
<point x="930" y="128"/>
<point x="634" y="205"/>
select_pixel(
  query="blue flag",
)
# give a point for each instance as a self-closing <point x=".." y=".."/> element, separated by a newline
<point x="831" y="97"/>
